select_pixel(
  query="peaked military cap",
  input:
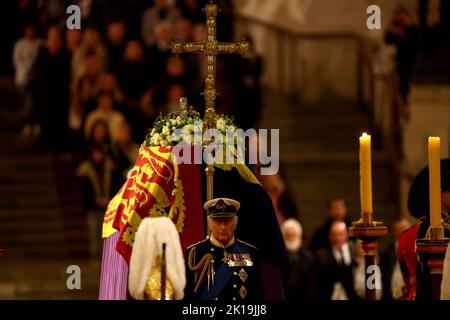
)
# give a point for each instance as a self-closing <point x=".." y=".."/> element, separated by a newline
<point x="222" y="208"/>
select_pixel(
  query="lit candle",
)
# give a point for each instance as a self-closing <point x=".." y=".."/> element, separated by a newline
<point x="365" y="171"/>
<point x="434" y="161"/>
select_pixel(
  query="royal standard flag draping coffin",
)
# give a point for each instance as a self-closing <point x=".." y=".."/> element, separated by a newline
<point x="157" y="186"/>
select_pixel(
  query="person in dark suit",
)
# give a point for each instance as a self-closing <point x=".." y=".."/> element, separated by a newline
<point x="333" y="267"/>
<point x="297" y="286"/>
<point x="222" y="267"/>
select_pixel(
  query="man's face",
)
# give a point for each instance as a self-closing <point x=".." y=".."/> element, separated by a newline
<point x="399" y="227"/>
<point x="337" y="210"/>
<point x="116" y="32"/>
<point x="222" y="229"/>
<point x="338" y="234"/>
<point x="292" y="239"/>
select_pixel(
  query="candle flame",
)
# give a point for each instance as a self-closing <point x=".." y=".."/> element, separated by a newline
<point x="364" y="134"/>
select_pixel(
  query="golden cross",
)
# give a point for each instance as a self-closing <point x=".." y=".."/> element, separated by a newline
<point x="211" y="48"/>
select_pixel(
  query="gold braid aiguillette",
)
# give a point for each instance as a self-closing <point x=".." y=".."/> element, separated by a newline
<point x="206" y="265"/>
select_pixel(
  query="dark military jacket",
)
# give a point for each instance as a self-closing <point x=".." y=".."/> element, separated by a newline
<point x="217" y="273"/>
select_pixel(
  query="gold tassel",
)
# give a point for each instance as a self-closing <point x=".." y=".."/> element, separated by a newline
<point x="209" y="279"/>
<point x="213" y="272"/>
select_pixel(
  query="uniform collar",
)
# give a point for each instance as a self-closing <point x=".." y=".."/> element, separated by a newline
<point x="217" y="243"/>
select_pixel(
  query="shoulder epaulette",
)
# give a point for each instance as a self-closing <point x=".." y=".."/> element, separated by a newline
<point x="195" y="244"/>
<point x="247" y="244"/>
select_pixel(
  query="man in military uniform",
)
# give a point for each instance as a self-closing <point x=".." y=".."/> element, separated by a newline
<point x="222" y="267"/>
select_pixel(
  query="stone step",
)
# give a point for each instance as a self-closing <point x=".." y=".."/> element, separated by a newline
<point x="25" y="175"/>
<point x="35" y="226"/>
<point x="48" y="201"/>
<point x="17" y="190"/>
<point x="47" y="280"/>
<point x="31" y="213"/>
<point x="20" y="251"/>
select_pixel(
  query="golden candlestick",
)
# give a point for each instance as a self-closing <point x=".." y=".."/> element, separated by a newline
<point x="434" y="161"/>
<point x="431" y="249"/>
<point x="365" y="165"/>
<point x="366" y="229"/>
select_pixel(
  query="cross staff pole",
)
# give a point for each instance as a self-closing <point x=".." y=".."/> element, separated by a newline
<point x="211" y="48"/>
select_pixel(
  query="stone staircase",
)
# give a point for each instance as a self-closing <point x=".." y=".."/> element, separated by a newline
<point x="319" y="156"/>
<point x="41" y="232"/>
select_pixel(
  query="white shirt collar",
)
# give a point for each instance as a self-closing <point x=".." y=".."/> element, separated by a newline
<point x="345" y="249"/>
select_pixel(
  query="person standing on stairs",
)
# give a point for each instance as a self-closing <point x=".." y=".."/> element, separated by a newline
<point x="25" y="53"/>
<point x="337" y="211"/>
<point x="98" y="176"/>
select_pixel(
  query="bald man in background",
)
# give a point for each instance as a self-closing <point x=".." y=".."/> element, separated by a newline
<point x="333" y="266"/>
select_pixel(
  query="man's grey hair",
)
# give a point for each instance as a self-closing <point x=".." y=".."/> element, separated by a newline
<point x="292" y="223"/>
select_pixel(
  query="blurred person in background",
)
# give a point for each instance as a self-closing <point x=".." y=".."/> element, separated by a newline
<point x="359" y="274"/>
<point x="106" y="112"/>
<point x="134" y="74"/>
<point x="191" y="10"/>
<point x="50" y="80"/>
<point x="116" y="33"/>
<point x="25" y="52"/>
<point x="175" y="92"/>
<point x="98" y="177"/>
<point x="91" y="45"/>
<point x="297" y="283"/>
<point x="124" y="151"/>
<point x="337" y="211"/>
<point x="99" y="136"/>
<point x="134" y="78"/>
<point x="333" y="277"/>
<point x="158" y="53"/>
<point x="280" y="195"/>
<point x="390" y="267"/>
<point x="73" y="40"/>
<point x="183" y="30"/>
<point x="84" y="93"/>
<point x="153" y="15"/>
<point x="108" y="83"/>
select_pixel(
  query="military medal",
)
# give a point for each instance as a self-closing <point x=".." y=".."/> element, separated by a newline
<point x="237" y="259"/>
<point x="243" y="292"/>
<point x="243" y="275"/>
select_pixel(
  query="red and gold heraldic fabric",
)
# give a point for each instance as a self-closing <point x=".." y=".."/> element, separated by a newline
<point x="157" y="186"/>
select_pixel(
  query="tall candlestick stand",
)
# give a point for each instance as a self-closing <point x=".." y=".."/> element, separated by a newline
<point x="431" y="250"/>
<point x="368" y="232"/>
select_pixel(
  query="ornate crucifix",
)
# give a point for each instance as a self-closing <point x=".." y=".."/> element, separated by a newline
<point x="210" y="48"/>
